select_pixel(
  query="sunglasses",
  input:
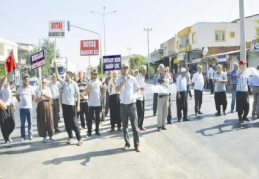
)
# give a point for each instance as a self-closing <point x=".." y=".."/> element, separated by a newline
<point x="94" y="73"/>
<point x="44" y="82"/>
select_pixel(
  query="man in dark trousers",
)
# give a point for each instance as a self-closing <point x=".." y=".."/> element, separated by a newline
<point x="140" y="103"/>
<point x="69" y="95"/>
<point x="127" y="85"/>
<point x="181" y="96"/>
<point x="82" y="85"/>
<point x="155" y="94"/>
<point x="242" y="98"/>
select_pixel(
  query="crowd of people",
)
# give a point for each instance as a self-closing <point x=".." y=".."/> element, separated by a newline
<point x="123" y="94"/>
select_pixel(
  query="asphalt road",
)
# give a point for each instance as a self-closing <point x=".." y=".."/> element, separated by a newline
<point x="206" y="147"/>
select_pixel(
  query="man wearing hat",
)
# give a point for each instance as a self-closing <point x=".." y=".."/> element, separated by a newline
<point x="181" y="95"/>
<point x="140" y="104"/>
<point x="242" y="98"/>
<point x="128" y="86"/>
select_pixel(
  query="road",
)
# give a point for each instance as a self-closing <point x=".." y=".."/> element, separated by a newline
<point x="206" y="147"/>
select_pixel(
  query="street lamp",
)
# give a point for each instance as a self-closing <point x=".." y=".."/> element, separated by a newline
<point x="147" y="30"/>
<point x="101" y="61"/>
<point x="103" y="14"/>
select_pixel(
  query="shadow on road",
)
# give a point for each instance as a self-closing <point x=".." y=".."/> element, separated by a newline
<point x="230" y="125"/>
<point x="86" y="157"/>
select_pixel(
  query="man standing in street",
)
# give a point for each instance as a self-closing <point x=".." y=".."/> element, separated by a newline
<point x="155" y="94"/>
<point x="188" y="81"/>
<point x="242" y="99"/>
<point x="114" y="102"/>
<point x="128" y="86"/>
<point x="233" y="86"/>
<point x="163" y="101"/>
<point x="181" y="96"/>
<point x="220" y="96"/>
<point x="210" y="78"/>
<point x="55" y="88"/>
<point x="140" y="104"/>
<point x="82" y="85"/>
<point x="25" y="95"/>
<point x="198" y="82"/>
<point x="254" y="83"/>
<point x="95" y="92"/>
<point x="69" y="109"/>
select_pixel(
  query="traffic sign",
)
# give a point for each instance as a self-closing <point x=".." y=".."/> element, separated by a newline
<point x="57" y="29"/>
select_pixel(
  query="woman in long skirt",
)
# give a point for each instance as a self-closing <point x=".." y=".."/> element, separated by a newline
<point x="45" y="122"/>
<point x="7" y="111"/>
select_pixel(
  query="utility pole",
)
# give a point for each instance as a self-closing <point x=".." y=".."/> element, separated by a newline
<point x="242" y="31"/>
<point x="103" y="14"/>
<point x="129" y="49"/>
<point x="147" y="30"/>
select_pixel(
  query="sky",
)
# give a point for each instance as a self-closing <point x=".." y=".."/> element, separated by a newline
<point x="26" y="21"/>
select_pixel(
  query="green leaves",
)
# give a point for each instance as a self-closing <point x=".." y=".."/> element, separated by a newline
<point x="137" y="61"/>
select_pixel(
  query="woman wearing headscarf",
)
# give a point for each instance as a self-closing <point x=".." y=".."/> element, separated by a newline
<point x="45" y="122"/>
<point x="6" y="111"/>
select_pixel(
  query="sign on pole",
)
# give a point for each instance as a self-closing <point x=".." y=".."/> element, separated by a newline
<point x="37" y="60"/>
<point x="111" y="62"/>
<point x="255" y="47"/>
<point x="57" y="29"/>
<point x="89" y="47"/>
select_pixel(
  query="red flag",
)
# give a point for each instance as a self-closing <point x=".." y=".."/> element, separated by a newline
<point x="10" y="62"/>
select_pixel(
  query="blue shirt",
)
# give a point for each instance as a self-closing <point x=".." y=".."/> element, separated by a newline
<point x="254" y="81"/>
<point x="234" y="77"/>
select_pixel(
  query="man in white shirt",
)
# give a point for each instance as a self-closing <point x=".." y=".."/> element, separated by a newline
<point x="198" y="82"/>
<point x="140" y="104"/>
<point x="55" y="88"/>
<point x="210" y="78"/>
<point x="162" y="100"/>
<point x="128" y="86"/>
<point x="155" y="94"/>
<point x="25" y="95"/>
<point x="181" y="96"/>
<point x="114" y="102"/>
<point x="70" y="96"/>
<point x="96" y="92"/>
<point x="188" y="81"/>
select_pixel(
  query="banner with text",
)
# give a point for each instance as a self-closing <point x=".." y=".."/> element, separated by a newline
<point x="56" y="29"/>
<point x="37" y="60"/>
<point x="89" y="47"/>
<point x="111" y="62"/>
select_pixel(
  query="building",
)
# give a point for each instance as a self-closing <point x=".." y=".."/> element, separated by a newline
<point x="215" y="42"/>
<point x="5" y="47"/>
<point x="23" y="66"/>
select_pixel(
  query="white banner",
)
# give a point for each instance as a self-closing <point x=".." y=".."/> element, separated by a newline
<point x="160" y="89"/>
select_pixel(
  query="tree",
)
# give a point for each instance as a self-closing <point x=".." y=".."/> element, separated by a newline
<point x="257" y="31"/>
<point x="49" y="48"/>
<point x="137" y="61"/>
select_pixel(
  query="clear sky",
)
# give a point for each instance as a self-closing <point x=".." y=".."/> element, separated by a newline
<point x="27" y="21"/>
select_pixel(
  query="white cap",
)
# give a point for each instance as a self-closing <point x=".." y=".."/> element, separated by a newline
<point x="183" y="70"/>
<point x="124" y="65"/>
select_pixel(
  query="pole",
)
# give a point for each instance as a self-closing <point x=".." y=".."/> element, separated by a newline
<point x="170" y="66"/>
<point x="129" y="51"/>
<point x="100" y="43"/>
<point x="242" y="31"/>
<point x="104" y="31"/>
<point x="147" y="30"/>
